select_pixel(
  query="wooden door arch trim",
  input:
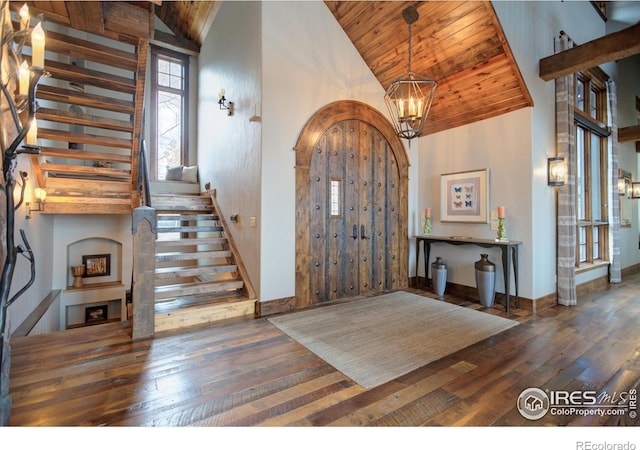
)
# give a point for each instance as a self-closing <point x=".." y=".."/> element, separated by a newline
<point x="321" y="121"/>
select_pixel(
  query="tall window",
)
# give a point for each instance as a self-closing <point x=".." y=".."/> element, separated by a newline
<point x="169" y="97"/>
<point x="592" y="169"/>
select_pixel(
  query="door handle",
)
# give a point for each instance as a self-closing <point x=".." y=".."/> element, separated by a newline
<point x="362" y="233"/>
<point x="355" y="232"/>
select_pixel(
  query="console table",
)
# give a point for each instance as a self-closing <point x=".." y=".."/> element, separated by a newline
<point x="507" y="247"/>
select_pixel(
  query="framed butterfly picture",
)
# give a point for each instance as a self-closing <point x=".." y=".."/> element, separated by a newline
<point x="464" y="196"/>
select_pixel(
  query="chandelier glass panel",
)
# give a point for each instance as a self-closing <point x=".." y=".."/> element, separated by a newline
<point x="409" y="97"/>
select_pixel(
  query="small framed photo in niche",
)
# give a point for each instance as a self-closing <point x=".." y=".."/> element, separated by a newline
<point x="97" y="265"/>
<point x="96" y="313"/>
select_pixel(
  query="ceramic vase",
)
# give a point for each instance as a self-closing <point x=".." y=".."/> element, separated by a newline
<point x="486" y="280"/>
<point x="439" y="276"/>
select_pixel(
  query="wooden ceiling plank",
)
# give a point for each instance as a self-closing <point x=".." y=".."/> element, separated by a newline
<point x="608" y="48"/>
<point x="206" y="24"/>
<point x="86" y="15"/>
<point x="629" y="134"/>
<point x="52" y="11"/>
<point x="121" y="17"/>
<point x="176" y="43"/>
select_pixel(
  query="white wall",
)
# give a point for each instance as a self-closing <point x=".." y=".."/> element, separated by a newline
<point x="229" y="146"/>
<point x="502" y="145"/>
<point x="627" y="76"/>
<point x="308" y="62"/>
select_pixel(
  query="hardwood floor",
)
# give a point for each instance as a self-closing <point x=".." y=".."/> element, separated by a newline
<point x="248" y="373"/>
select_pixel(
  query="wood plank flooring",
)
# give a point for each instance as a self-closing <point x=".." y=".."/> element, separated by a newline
<point x="248" y="373"/>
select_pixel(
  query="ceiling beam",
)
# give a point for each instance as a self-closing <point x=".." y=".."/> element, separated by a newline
<point x="608" y="48"/>
<point x="629" y="134"/>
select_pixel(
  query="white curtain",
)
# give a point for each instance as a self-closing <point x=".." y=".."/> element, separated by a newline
<point x="615" y="273"/>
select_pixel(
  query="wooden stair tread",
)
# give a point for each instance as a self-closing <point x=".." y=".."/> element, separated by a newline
<point x="58" y="94"/>
<point x="88" y="50"/>
<point x="191" y="241"/>
<point x="164" y="208"/>
<point x="181" y="256"/>
<point x="189" y="229"/>
<point x="202" y="287"/>
<point x="164" y="273"/>
<point x="116" y="200"/>
<point x="87" y="120"/>
<point x="94" y="206"/>
<point x="80" y="75"/>
<point x="219" y="298"/>
<point x="84" y="155"/>
<point x="69" y="186"/>
<point x="83" y="138"/>
<point x="187" y="217"/>
<point x="89" y="171"/>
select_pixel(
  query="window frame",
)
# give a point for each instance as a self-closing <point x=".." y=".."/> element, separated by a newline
<point x="593" y="128"/>
<point x="183" y="59"/>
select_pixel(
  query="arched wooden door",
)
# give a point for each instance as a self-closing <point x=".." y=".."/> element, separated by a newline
<point x="351" y="206"/>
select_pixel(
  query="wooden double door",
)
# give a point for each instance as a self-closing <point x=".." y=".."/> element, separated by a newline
<point x="354" y="213"/>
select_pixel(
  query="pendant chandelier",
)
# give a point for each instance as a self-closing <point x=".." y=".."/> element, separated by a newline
<point x="409" y="97"/>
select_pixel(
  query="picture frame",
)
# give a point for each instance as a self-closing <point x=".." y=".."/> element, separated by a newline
<point x="96" y="313"/>
<point x="97" y="265"/>
<point x="464" y="196"/>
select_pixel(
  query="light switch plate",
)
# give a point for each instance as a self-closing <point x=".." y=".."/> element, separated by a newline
<point x="253" y="222"/>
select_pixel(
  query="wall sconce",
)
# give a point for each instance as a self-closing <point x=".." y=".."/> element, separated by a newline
<point x="222" y="102"/>
<point x="41" y="196"/>
<point x="556" y="171"/>
<point x="622" y="187"/>
<point x="635" y="190"/>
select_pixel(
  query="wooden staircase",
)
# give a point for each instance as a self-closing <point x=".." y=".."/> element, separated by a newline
<point x="89" y="114"/>
<point x="198" y="279"/>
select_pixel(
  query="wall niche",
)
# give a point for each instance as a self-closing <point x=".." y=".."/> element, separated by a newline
<point x="96" y="253"/>
<point x="95" y="294"/>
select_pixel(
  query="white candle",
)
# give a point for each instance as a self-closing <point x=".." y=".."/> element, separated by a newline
<point x="412" y="107"/>
<point x="7" y="15"/>
<point x="221" y="94"/>
<point x="24" y="78"/>
<point x="37" y="46"/>
<point x="401" y="109"/>
<point x="32" y="135"/>
<point x="24" y="17"/>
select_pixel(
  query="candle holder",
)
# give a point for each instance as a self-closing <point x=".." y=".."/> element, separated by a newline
<point x="427" y="226"/>
<point x="502" y="231"/>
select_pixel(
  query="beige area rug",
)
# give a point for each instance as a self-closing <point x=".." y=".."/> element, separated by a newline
<point x="377" y="339"/>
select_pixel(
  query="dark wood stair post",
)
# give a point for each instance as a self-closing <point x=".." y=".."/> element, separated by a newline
<point x="144" y="230"/>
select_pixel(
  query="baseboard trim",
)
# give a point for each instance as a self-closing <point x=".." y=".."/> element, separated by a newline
<point x="275" y="306"/>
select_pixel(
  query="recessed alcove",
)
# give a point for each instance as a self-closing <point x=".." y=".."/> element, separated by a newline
<point x="99" y="289"/>
<point x="100" y="248"/>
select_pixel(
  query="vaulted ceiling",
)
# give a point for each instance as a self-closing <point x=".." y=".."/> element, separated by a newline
<point x="459" y="44"/>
